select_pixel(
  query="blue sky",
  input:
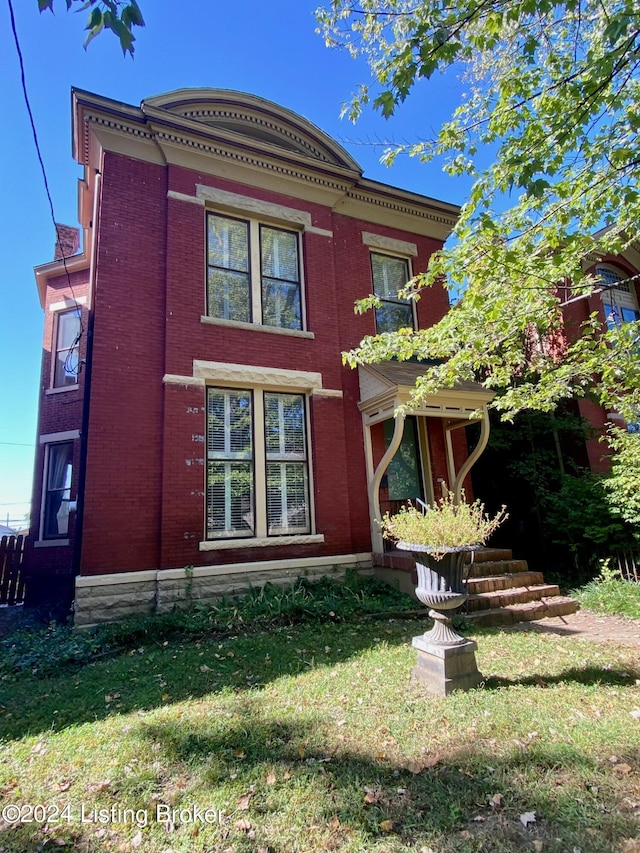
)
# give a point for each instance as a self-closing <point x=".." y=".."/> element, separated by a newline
<point x="266" y="48"/>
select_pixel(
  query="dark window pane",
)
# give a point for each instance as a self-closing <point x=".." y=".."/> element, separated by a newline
<point x="391" y="316"/>
<point x="281" y="304"/>
<point x="229" y="297"/>
<point x="58" y="490"/>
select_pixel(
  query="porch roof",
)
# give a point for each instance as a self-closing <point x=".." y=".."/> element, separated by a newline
<point x="386" y="386"/>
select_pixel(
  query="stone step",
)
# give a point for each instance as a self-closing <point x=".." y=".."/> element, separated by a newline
<point x="557" y="605"/>
<point x="496" y="567"/>
<point x="507" y="597"/>
<point x="485" y="555"/>
<point x="479" y="585"/>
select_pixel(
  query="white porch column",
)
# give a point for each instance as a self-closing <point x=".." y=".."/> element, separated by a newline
<point x="376" y="478"/>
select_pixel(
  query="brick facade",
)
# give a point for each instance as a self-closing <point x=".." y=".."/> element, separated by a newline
<point x="139" y="464"/>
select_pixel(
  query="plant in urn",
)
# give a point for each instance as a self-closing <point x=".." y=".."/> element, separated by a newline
<point x="438" y="538"/>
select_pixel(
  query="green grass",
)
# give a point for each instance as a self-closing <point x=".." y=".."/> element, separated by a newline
<point x="42" y="650"/>
<point x="610" y="594"/>
<point x="313" y="737"/>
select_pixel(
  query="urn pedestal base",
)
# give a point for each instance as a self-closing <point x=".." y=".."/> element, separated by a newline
<point x="443" y="669"/>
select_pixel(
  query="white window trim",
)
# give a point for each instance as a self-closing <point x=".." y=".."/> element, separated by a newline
<point x="58" y="308"/>
<point x="256" y="327"/>
<point x="248" y="215"/>
<point x="400" y="256"/>
<point x="57" y="437"/>
<point x="49" y="440"/>
<point x="621" y="298"/>
<point x="389" y="245"/>
<point x="259" y="380"/>
<point x="67" y="304"/>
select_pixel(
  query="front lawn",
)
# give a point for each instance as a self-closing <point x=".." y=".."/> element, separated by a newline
<point x="313" y="737"/>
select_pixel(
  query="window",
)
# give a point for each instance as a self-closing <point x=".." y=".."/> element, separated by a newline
<point x="257" y="464"/>
<point x="618" y="297"/>
<point x="67" y="336"/>
<point x="253" y="273"/>
<point x="389" y="276"/>
<point x="57" y="491"/>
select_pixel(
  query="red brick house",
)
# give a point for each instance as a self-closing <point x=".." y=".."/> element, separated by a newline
<point x="198" y="432"/>
<point x="616" y="300"/>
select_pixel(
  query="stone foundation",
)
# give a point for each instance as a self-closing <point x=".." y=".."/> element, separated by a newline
<point x="108" y="598"/>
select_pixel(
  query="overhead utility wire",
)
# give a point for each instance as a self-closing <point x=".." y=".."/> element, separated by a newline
<point x="27" y="102"/>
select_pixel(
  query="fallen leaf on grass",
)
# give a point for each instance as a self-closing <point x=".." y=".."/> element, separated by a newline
<point x="630" y="845"/>
<point x="243" y="803"/>
<point x="527" y="817"/>
<point x="334" y="823"/>
<point x="386" y="825"/>
<point x="62" y="786"/>
<point x="136" y="841"/>
<point x="243" y="824"/>
<point x="96" y="787"/>
<point x="423" y="763"/>
<point x="271" y="778"/>
<point x="623" y="769"/>
<point x="370" y="796"/>
<point x="635" y="713"/>
<point x="497" y="801"/>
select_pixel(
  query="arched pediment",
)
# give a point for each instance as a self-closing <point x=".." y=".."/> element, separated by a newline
<point x="256" y="119"/>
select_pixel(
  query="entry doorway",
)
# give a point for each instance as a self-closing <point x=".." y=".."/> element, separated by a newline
<point x="404" y="479"/>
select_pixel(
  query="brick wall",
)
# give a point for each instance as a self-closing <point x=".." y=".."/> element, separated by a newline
<point x="146" y="461"/>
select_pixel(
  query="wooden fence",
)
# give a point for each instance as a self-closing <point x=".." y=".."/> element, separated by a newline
<point x="11" y="575"/>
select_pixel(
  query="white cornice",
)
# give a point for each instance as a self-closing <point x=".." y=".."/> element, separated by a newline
<point x="312" y="167"/>
<point x="44" y="272"/>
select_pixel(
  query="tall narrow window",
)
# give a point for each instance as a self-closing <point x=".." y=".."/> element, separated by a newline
<point x="287" y="477"/>
<point x="65" y="369"/>
<point x="57" y="492"/>
<point x="258" y="464"/>
<point x="389" y="276"/>
<point x="280" y="278"/>
<point x="253" y="273"/>
<point x="230" y="464"/>
<point x="228" y="285"/>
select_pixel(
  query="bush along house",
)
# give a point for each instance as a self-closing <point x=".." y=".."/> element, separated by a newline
<point x="198" y="433"/>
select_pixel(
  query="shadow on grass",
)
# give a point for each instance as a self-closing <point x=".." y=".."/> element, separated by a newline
<point x="165" y="673"/>
<point x="587" y="675"/>
<point x="301" y="786"/>
<point x="162" y="674"/>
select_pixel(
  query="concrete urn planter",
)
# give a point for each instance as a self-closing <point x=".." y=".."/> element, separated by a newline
<point x="440" y="587"/>
<point x="446" y="660"/>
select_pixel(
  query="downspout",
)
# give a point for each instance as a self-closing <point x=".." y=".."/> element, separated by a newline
<point x="84" y="429"/>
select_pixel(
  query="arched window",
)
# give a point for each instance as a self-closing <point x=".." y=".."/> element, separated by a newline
<point x="618" y="296"/>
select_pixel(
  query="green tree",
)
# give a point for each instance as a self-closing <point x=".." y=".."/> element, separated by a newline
<point x="622" y="484"/>
<point x="554" y="91"/>
<point x="119" y="16"/>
